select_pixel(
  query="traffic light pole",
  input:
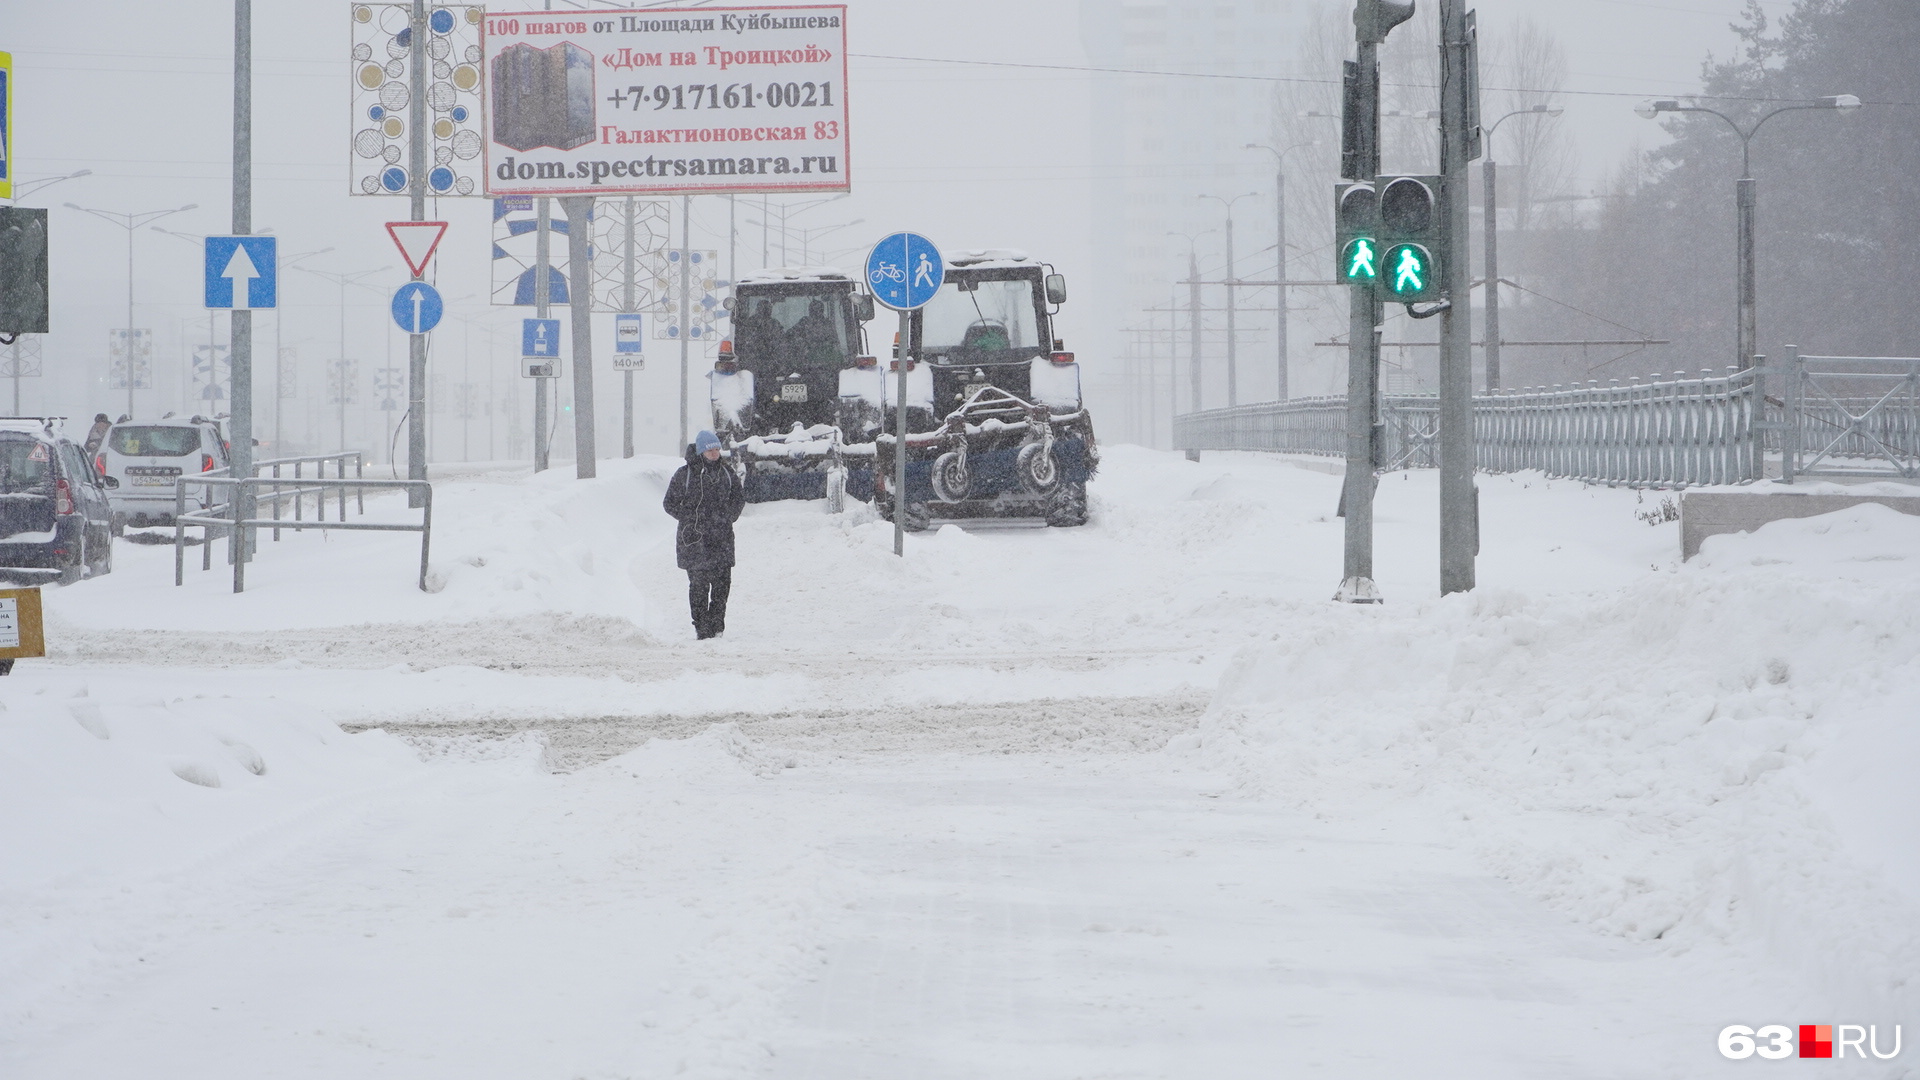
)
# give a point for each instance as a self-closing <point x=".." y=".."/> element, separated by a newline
<point x="1361" y="160"/>
<point x="1459" y="500"/>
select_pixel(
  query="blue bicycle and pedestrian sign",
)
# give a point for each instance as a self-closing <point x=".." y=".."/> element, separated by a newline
<point x="242" y="272"/>
<point x="417" y="307"/>
<point x="905" y="270"/>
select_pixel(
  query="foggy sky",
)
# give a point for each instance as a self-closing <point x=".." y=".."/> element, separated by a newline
<point x="972" y="156"/>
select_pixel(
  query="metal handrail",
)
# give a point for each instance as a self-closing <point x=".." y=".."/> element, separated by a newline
<point x="241" y="530"/>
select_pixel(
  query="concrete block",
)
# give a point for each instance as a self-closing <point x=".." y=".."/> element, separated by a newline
<point x="1710" y="513"/>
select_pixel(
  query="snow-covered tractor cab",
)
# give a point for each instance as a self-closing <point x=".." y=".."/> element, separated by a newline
<point x="777" y="386"/>
<point x="1010" y="435"/>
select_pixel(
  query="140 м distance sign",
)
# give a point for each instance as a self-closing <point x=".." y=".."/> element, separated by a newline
<point x="658" y="102"/>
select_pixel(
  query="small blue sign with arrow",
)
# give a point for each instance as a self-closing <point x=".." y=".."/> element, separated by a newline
<point x="417" y="307"/>
<point x="243" y="272"/>
<point x="905" y="270"/>
<point x="540" y="338"/>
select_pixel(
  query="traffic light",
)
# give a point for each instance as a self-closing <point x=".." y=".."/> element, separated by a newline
<point x="1374" y="19"/>
<point x="1413" y="238"/>
<point x="1356" y="225"/>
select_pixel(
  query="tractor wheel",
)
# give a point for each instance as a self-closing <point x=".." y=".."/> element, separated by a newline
<point x="1038" y="470"/>
<point x="1068" y="507"/>
<point x="952" y="480"/>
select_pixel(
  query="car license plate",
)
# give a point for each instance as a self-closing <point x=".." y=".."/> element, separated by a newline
<point x="151" y="481"/>
<point x="793" y="391"/>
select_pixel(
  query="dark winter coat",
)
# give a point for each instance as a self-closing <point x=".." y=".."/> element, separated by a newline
<point x="706" y="498"/>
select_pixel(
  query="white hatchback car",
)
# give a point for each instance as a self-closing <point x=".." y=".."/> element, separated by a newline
<point x="140" y="462"/>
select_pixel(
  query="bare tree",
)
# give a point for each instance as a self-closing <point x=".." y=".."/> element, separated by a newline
<point x="1535" y="154"/>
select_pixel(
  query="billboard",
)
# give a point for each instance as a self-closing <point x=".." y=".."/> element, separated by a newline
<point x="659" y="102"/>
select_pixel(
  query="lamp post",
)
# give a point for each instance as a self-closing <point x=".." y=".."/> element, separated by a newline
<point x="1492" y="347"/>
<point x="130" y="220"/>
<point x="1745" y="197"/>
<point x="1193" y="317"/>
<point x="1233" y="390"/>
<point x="343" y="280"/>
<point x="1280" y="248"/>
<point x="27" y="187"/>
<point x="806" y="235"/>
<point x="279" y="363"/>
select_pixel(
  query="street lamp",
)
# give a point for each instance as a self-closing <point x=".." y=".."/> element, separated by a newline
<point x="806" y="235"/>
<point x="28" y="187"/>
<point x="1280" y="245"/>
<point x="343" y="280"/>
<point x="786" y="210"/>
<point x="1233" y="394"/>
<point x="1745" y="198"/>
<point x="1492" y="347"/>
<point x="279" y="361"/>
<point x="1193" y="312"/>
<point x="130" y="220"/>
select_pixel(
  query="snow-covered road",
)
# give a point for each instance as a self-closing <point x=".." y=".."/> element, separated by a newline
<point x="1132" y="800"/>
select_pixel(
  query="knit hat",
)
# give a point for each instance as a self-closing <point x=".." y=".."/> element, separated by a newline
<point x="706" y="441"/>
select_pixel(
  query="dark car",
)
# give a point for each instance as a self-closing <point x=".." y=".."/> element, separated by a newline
<point x="55" y="521"/>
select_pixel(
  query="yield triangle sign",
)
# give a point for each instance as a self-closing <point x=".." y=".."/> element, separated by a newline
<point x="417" y="241"/>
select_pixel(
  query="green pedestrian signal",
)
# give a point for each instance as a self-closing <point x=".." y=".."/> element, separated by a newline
<point x="1413" y="238"/>
<point x="1356" y="224"/>
<point x="1362" y="262"/>
<point x="1410" y="273"/>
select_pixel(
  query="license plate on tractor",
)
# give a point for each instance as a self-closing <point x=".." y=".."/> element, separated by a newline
<point x="793" y="391"/>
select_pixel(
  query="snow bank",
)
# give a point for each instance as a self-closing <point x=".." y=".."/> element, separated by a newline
<point x="1679" y="759"/>
<point x="120" y="785"/>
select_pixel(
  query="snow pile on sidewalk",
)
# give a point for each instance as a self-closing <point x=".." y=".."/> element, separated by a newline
<point x="121" y="784"/>
<point x="1704" y="753"/>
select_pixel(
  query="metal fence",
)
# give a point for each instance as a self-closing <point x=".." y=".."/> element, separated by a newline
<point x="287" y="482"/>
<point x="1661" y="433"/>
<point x="1851" y="416"/>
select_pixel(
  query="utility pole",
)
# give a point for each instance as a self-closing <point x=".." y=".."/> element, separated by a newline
<point x="1490" y="220"/>
<point x="542" y="304"/>
<point x="1459" y="144"/>
<point x="240" y="322"/>
<point x="579" y="210"/>
<point x="1360" y="161"/>
<point x="417" y="200"/>
<point x="686" y="304"/>
<point x="627" y="306"/>
<point x="1193" y="331"/>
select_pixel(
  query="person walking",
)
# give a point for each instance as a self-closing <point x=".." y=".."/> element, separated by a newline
<point x="98" y="434"/>
<point x="706" y="498"/>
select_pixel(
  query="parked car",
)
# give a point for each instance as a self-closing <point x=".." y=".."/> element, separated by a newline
<point x="140" y="462"/>
<point x="55" y="520"/>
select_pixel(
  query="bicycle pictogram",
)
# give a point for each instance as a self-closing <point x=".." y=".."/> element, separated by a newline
<point x="885" y="272"/>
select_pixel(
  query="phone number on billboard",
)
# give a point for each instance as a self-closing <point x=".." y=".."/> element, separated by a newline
<point x="804" y="95"/>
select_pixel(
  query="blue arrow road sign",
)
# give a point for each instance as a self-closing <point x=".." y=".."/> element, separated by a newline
<point x="243" y="272"/>
<point x="905" y="270"/>
<point x="540" y="337"/>
<point x="417" y="307"/>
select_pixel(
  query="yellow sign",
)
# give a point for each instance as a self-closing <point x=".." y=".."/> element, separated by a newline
<point x="6" y="125"/>
<point x="20" y="627"/>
